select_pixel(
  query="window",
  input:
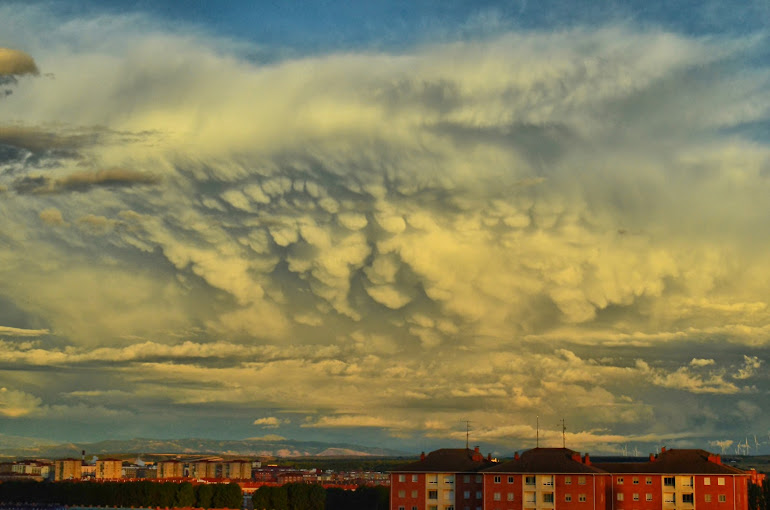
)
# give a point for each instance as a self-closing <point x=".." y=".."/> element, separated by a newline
<point x="432" y="494"/>
<point x="567" y="480"/>
<point x="581" y="480"/>
<point x="401" y="494"/>
<point x="567" y="498"/>
<point x="722" y="498"/>
<point x="529" y="497"/>
<point x="720" y="481"/>
<point x="687" y="482"/>
<point x="467" y="478"/>
<point x="582" y="498"/>
<point x="433" y="479"/>
<point x="688" y="498"/>
<point x="510" y="496"/>
<point x="414" y="494"/>
<point x="401" y="508"/>
<point x="401" y="478"/>
<point x="478" y="478"/>
<point x="668" y="481"/>
<point x="548" y="480"/>
<point x="467" y="495"/>
<point x="648" y="480"/>
<point x="432" y="507"/>
<point x="649" y="496"/>
<point x="510" y="479"/>
<point x="450" y="507"/>
<point x="529" y="480"/>
<point x="636" y="496"/>
<point x="449" y="480"/>
<point x="707" y="481"/>
<point x="449" y="495"/>
<point x="497" y="479"/>
<point x="669" y="498"/>
<point x="414" y="507"/>
<point x="620" y="496"/>
<point x="478" y="495"/>
<point x="636" y="480"/>
<point x="496" y="496"/>
<point x="415" y="478"/>
<point x="620" y="480"/>
<point x="548" y="497"/>
<point x="708" y="498"/>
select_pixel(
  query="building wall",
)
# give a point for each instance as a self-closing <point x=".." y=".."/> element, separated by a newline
<point x="109" y="469"/>
<point x="469" y="494"/>
<point x="705" y="492"/>
<point x="548" y="492"/>
<point x="170" y="469"/>
<point x="408" y="491"/>
<point x="67" y="469"/>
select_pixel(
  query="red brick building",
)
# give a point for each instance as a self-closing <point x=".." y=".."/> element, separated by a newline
<point x="546" y="479"/>
<point x="560" y="479"/>
<point x="446" y="479"/>
<point x="678" y="480"/>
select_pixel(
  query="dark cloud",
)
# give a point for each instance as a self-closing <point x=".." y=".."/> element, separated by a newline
<point x="14" y="63"/>
<point x="83" y="181"/>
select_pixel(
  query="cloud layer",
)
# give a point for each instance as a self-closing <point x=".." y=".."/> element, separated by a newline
<point x="563" y="224"/>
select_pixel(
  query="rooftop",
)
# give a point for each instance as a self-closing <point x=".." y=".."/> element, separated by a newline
<point x="546" y="460"/>
<point x="448" y="460"/>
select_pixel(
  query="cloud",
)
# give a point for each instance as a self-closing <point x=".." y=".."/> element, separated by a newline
<point x="83" y="181"/>
<point x="269" y="422"/>
<point x="21" y="332"/>
<point x="535" y="221"/>
<point x="750" y="367"/>
<point x="15" y="404"/>
<point x="16" y="63"/>
<point x="52" y="217"/>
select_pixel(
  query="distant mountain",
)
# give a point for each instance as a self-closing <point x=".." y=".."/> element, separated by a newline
<point x="244" y="447"/>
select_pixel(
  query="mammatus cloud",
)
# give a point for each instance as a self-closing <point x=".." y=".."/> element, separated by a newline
<point x="526" y="225"/>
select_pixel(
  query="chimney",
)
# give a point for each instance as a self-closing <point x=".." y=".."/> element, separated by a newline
<point x="718" y="459"/>
<point x="422" y="456"/>
<point x="83" y="455"/>
<point x="516" y="456"/>
<point x="476" y="449"/>
<point x="576" y="456"/>
<point x="663" y="449"/>
<point x="489" y="456"/>
<point x="652" y="457"/>
<point x="587" y="460"/>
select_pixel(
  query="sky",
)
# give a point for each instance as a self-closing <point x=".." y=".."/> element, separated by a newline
<point x="372" y="222"/>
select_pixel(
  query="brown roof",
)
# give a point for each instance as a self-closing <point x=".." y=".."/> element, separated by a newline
<point x="545" y="460"/>
<point x="694" y="462"/>
<point x="448" y="460"/>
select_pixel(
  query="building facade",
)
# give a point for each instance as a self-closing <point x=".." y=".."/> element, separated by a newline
<point x="560" y="479"/>
<point x="68" y="469"/>
<point x="170" y="469"/>
<point x="678" y="480"/>
<point x="109" y="469"/>
<point x="446" y="479"/>
<point x="546" y="479"/>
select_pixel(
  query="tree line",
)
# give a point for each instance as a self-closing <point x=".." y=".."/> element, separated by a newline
<point x="759" y="496"/>
<point x="299" y="496"/>
<point x="123" y="494"/>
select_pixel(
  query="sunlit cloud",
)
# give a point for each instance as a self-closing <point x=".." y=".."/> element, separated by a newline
<point x="554" y="223"/>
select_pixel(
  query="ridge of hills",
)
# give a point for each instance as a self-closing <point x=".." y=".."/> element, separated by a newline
<point x="14" y="446"/>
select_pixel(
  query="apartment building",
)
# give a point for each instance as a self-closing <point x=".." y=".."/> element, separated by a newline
<point x="678" y="480"/>
<point x="446" y="479"/>
<point x="68" y="469"/>
<point x="170" y="469"/>
<point x="109" y="469"/>
<point x="546" y="479"/>
<point x="560" y="479"/>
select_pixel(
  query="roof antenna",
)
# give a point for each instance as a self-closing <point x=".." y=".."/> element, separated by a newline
<point x="537" y="427"/>
<point x="563" y="433"/>
<point x="467" y="434"/>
